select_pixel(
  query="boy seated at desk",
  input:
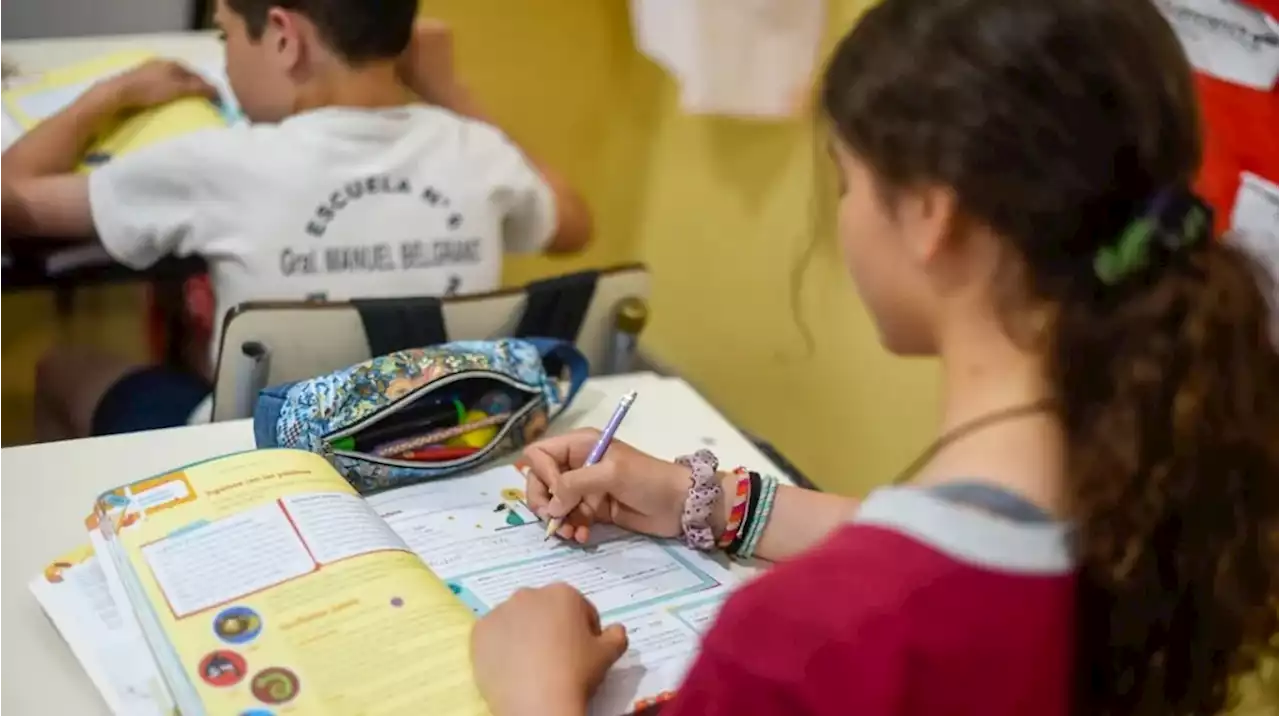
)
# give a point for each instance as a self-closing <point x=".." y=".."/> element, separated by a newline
<point x="343" y="187"/>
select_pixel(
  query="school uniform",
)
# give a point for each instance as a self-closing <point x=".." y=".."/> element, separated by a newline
<point x="334" y="203"/>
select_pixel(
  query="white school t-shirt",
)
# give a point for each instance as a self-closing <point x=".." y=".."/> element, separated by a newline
<point x="336" y="203"/>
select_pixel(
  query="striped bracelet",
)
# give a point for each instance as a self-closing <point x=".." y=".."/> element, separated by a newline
<point x="753" y="501"/>
<point x="741" y="496"/>
<point x="768" y="490"/>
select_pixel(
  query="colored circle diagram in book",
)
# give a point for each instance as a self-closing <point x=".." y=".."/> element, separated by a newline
<point x="274" y="685"/>
<point x="222" y="668"/>
<point x="237" y="625"/>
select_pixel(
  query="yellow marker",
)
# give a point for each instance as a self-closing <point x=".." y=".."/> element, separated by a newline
<point x="477" y="438"/>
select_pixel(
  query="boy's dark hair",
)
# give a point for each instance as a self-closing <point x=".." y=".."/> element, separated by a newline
<point x="357" y="30"/>
<point x="1056" y="122"/>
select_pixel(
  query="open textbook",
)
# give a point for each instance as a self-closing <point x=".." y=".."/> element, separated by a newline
<point x="261" y="582"/>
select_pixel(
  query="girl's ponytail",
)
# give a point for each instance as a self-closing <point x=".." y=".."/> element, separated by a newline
<point x="1166" y="372"/>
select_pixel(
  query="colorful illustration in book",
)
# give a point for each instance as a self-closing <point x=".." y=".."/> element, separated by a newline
<point x="222" y="668"/>
<point x="237" y="625"/>
<point x="513" y="517"/>
<point x="53" y="571"/>
<point x="274" y="685"/>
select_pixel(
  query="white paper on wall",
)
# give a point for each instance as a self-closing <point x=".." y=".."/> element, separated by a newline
<point x="1255" y="221"/>
<point x="746" y="58"/>
<point x="1227" y="39"/>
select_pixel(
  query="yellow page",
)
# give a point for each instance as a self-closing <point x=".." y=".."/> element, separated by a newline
<point x="31" y="103"/>
<point x="279" y="588"/>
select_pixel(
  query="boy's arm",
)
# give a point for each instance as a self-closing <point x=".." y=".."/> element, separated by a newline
<point x="55" y="206"/>
<point x="56" y="145"/>
<point x="427" y="69"/>
<point x="42" y="194"/>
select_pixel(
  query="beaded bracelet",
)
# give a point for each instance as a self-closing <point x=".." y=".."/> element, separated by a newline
<point x="741" y="494"/>
<point x="703" y="494"/>
<point x="753" y="502"/>
<point x="769" y="490"/>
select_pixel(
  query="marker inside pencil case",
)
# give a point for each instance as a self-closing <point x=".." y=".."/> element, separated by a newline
<point x="397" y="447"/>
<point x="438" y="405"/>
<point x="437" y="453"/>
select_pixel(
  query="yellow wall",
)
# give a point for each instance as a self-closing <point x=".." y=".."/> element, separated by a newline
<point x="727" y="208"/>
<point x="719" y="209"/>
<point x="556" y="75"/>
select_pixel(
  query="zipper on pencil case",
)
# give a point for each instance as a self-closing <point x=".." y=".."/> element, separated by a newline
<point x="389" y="411"/>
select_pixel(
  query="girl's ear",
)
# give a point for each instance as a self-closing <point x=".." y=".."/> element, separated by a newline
<point x="930" y="217"/>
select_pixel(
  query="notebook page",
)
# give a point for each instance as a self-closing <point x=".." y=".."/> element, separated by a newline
<point x="73" y="593"/>
<point x="277" y="587"/>
<point x="478" y="535"/>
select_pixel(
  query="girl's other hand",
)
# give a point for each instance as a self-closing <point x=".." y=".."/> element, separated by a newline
<point x="543" y="652"/>
<point x="627" y="487"/>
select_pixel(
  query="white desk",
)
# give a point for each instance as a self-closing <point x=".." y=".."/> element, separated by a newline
<point x="35" y="56"/>
<point x="47" y="490"/>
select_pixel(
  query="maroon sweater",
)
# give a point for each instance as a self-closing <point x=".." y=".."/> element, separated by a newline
<point x="921" y="605"/>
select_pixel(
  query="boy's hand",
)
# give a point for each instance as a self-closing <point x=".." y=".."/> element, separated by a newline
<point x="157" y="82"/>
<point x="427" y="63"/>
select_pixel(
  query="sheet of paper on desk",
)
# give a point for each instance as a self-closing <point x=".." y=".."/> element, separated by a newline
<point x="73" y="592"/>
<point x="477" y="534"/>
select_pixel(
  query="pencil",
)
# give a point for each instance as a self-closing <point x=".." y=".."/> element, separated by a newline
<point x="597" y="452"/>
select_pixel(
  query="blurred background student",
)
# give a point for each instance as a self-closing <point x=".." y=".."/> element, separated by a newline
<point x="342" y="187"/>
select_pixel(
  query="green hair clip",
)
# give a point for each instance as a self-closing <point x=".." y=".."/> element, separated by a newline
<point x="1132" y="251"/>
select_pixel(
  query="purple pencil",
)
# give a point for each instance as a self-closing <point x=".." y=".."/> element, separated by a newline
<point x="597" y="452"/>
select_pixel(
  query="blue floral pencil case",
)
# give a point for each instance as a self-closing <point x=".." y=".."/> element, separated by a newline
<point x="459" y="404"/>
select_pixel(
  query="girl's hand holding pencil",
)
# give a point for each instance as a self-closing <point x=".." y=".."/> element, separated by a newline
<point x="627" y="487"/>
